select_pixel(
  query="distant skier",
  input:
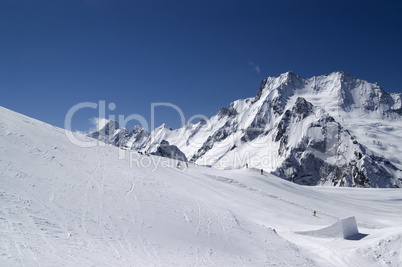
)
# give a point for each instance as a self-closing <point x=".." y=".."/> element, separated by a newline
<point x="187" y="164"/>
<point x="262" y="171"/>
<point x="178" y="165"/>
<point x="246" y="165"/>
<point x="315" y="213"/>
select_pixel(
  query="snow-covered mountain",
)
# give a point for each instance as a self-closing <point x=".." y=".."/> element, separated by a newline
<point x="328" y="130"/>
<point x="66" y="205"/>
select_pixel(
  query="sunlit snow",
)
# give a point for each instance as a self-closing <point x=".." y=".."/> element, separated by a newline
<point x="63" y="205"/>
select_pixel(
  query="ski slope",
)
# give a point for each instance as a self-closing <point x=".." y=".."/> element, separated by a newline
<point x="64" y="205"/>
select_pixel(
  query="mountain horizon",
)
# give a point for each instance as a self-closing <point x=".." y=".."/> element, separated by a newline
<point x="64" y="204"/>
<point x="290" y="121"/>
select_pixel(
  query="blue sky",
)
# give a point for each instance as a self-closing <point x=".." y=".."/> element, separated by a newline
<point x="197" y="54"/>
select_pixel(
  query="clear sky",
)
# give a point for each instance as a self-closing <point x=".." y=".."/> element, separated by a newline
<point x="197" y="54"/>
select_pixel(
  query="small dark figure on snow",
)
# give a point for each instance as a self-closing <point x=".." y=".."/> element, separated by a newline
<point x="246" y="165"/>
<point x="178" y="165"/>
<point x="262" y="171"/>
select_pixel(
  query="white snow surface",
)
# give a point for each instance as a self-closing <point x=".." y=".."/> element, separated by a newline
<point x="344" y="228"/>
<point x="64" y="205"/>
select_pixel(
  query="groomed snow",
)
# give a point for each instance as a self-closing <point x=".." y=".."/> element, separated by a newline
<point x="344" y="228"/>
<point x="63" y="205"/>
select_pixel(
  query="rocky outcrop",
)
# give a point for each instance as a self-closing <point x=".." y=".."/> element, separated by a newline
<point x="169" y="151"/>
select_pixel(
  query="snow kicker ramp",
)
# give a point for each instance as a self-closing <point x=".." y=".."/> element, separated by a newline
<point x="343" y="228"/>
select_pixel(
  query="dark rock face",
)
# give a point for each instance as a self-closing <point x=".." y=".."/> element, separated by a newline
<point x="108" y="134"/>
<point x="227" y="112"/>
<point x="170" y="151"/>
<point x="103" y="134"/>
<point x="302" y="108"/>
<point x="115" y="135"/>
<point x="304" y="164"/>
<point x="260" y="90"/>
<point x="399" y="111"/>
<point x="121" y="138"/>
<point x="283" y="126"/>
<point x="251" y="133"/>
<point x="139" y="133"/>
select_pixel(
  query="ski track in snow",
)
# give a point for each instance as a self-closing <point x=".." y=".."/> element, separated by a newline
<point x="65" y="205"/>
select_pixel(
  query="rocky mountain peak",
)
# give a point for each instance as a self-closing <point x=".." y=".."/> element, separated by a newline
<point x="302" y="108"/>
<point x="111" y="125"/>
<point x="165" y="126"/>
<point x="138" y="129"/>
<point x="309" y="125"/>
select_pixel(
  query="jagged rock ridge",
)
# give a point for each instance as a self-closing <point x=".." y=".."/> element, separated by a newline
<point x="326" y="130"/>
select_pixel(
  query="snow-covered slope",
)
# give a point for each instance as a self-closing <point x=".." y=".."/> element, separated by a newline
<point x="328" y="130"/>
<point x="64" y="205"/>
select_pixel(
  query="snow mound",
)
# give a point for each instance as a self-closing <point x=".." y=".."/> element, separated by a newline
<point x="343" y="228"/>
